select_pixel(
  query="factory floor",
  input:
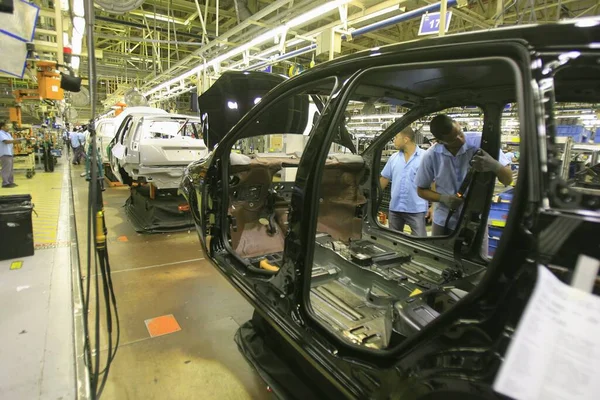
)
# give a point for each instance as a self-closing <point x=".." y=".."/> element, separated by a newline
<point x="163" y="285"/>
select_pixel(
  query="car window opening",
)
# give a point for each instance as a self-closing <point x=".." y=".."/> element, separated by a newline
<point x="368" y="286"/>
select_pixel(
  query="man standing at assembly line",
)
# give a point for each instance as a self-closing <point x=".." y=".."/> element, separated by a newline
<point x="406" y="207"/>
<point x="446" y="164"/>
<point x="6" y="156"/>
<point x="78" y="142"/>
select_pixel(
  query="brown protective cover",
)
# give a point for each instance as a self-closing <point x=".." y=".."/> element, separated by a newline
<point x="340" y="196"/>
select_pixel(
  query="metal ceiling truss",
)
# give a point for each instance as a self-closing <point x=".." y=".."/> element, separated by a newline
<point x="477" y="15"/>
<point x="164" y="39"/>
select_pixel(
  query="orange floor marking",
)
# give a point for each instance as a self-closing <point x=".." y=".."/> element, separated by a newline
<point x="123" y="239"/>
<point x="162" y="325"/>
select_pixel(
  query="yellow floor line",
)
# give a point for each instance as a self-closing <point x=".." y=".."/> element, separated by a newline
<point x="45" y="191"/>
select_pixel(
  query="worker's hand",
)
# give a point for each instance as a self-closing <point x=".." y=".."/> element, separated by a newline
<point x="483" y="162"/>
<point x="429" y="215"/>
<point x="453" y="202"/>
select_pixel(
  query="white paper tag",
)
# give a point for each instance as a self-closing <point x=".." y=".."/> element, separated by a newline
<point x="554" y="354"/>
<point x="586" y="270"/>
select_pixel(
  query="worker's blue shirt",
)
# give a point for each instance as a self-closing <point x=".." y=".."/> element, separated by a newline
<point x="402" y="174"/>
<point x="75" y="140"/>
<point x="448" y="172"/>
<point x="82" y="138"/>
<point x="6" y="149"/>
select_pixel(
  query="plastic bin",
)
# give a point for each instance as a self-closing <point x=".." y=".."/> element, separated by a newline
<point x="495" y="232"/>
<point x="575" y="131"/>
<point x="16" y="228"/>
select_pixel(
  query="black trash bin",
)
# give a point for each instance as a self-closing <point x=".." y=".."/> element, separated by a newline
<point x="16" y="229"/>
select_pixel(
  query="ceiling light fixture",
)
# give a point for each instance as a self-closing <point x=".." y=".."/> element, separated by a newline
<point x="379" y="13"/>
<point x="269" y="35"/>
<point x="160" y="17"/>
<point x="315" y="13"/>
<point x="78" y="8"/>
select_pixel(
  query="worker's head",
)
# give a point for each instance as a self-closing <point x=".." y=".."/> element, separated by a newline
<point x="2" y="124"/>
<point x="447" y="132"/>
<point x="404" y="138"/>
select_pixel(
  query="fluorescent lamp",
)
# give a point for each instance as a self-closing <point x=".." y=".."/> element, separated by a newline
<point x="232" y="53"/>
<point x="376" y="116"/>
<point x="580" y="116"/>
<point x="78" y="8"/>
<point x="294" y="42"/>
<point x="232" y="105"/>
<point x="162" y="17"/>
<point x="366" y="129"/>
<point x="315" y="13"/>
<point x="376" y="14"/>
<point x="77" y="44"/>
<point x="79" y="25"/>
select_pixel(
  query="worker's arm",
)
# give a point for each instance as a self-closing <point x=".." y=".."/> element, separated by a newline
<point x="483" y="162"/>
<point x="505" y="175"/>
<point x="452" y="201"/>
<point x="12" y="141"/>
<point x="428" y="195"/>
<point x="383" y="182"/>
<point x="426" y="188"/>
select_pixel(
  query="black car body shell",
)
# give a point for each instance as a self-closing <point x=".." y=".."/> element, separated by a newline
<point x="459" y="353"/>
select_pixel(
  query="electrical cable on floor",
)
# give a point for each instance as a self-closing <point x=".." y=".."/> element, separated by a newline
<point x="97" y="252"/>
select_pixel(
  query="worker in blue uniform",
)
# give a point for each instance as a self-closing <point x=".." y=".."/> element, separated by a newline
<point x="78" y="144"/>
<point x="446" y="164"/>
<point x="6" y="156"/>
<point x="406" y="207"/>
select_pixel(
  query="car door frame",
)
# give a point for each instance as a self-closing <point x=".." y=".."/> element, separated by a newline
<point x="293" y="279"/>
<point x="132" y="155"/>
<point x="113" y="161"/>
<point x="307" y="171"/>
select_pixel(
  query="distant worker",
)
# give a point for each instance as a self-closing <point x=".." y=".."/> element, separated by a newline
<point x="66" y="138"/>
<point x="78" y="142"/>
<point x="47" y="144"/>
<point x="446" y="164"/>
<point x="509" y="154"/>
<point x="6" y="156"/>
<point x="406" y="207"/>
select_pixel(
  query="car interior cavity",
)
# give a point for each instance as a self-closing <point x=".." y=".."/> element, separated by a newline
<point x="371" y="286"/>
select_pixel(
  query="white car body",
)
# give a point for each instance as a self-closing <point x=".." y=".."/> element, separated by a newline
<point x="105" y="132"/>
<point x="107" y="128"/>
<point x="156" y="148"/>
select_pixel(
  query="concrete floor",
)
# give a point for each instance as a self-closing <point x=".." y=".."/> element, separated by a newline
<point x="36" y="329"/>
<point x="153" y="275"/>
<point x="162" y="274"/>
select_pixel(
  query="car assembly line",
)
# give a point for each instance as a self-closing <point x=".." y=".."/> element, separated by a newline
<point x="300" y="200"/>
